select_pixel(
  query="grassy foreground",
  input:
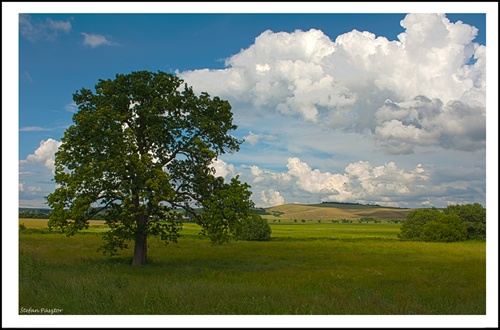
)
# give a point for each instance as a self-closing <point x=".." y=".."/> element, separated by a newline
<point x="307" y="268"/>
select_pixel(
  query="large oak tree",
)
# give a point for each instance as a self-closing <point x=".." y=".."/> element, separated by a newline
<point x="142" y="147"/>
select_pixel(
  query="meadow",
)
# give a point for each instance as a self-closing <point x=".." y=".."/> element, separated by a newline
<point x="306" y="268"/>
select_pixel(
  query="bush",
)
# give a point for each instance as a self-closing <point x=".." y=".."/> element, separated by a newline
<point x="255" y="228"/>
<point x="432" y="225"/>
<point x="415" y="221"/>
<point x="446" y="228"/>
<point x="473" y="216"/>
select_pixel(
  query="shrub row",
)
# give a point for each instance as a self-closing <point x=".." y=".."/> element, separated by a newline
<point x="454" y="223"/>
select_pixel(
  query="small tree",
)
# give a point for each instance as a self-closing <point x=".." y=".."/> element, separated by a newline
<point x="140" y="147"/>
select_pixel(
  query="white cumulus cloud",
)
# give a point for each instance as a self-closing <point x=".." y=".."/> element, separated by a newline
<point x="315" y="181"/>
<point x="44" y="154"/>
<point x="271" y="198"/>
<point x="425" y="89"/>
<point x="223" y="169"/>
<point x="386" y="184"/>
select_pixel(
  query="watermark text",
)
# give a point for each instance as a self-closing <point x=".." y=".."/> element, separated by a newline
<point x="29" y="310"/>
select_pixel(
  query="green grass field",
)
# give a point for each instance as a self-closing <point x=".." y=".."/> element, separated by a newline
<point x="307" y="268"/>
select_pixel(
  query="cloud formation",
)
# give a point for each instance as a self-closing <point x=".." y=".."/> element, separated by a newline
<point x="361" y="182"/>
<point x="95" y="40"/>
<point x="386" y="184"/>
<point x="223" y="169"/>
<point x="30" y="190"/>
<point x="253" y="138"/>
<point x="271" y="198"/>
<point x="314" y="181"/>
<point x="426" y="122"/>
<point x="45" y="154"/>
<point x="33" y="129"/>
<point x="45" y="30"/>
<point x="425" y="89"/>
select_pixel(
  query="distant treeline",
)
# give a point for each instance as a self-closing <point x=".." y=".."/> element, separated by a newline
<point x="33" y="213"/>
<point x="347" y="203"/>
<point x="358" y="204"/>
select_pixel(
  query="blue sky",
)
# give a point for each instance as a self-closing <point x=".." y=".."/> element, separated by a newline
<point x="384" y="108"/>
<point x="54" y="63"/>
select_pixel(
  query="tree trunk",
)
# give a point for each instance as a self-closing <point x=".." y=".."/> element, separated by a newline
<point x="141" y="237"/>
<point x="140" y="250"/>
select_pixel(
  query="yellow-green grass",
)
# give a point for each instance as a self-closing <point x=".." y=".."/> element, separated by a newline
<point x="334" y="212"/>
<point x="42" y="223"/>
<point x="334" y="231"/>
<point x="40" y="226"/>
<point x="307" y="268"/>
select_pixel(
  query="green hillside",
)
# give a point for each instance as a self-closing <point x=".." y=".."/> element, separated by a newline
<point x="335" y="211"/>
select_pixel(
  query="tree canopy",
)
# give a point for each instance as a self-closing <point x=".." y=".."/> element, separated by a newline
<point x="474" y="217"/>
<point x="141" y="147"/>
<point x="433" y="225"/>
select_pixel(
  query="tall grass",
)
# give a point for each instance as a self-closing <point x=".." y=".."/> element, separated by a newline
<point x="310" y="268"/>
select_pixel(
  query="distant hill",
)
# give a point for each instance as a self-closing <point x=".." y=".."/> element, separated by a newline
<point x="334" y="211"/>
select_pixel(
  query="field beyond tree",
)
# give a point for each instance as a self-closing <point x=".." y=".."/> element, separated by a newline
<point x="311" y="267"/>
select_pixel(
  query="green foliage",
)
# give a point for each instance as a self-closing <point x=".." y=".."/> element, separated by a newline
<point x="45" y="214"/>
<point x="369" y="219"/>
<point x="140" y="147"/>
<point x="415" y="220"/>
<point x="261" y="211"/>
<point x="474" y="217"/>
<point x="433" y="225"/>
<point x="33" y="214"/>
<point x="226" y="208"/>
<point x="445" y="228"/>
<point x="22" y="226"/>
<point x="255" y="228"/>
